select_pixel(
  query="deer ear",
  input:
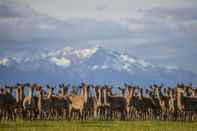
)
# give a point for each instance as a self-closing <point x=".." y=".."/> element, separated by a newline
<point x="154" y="85"/>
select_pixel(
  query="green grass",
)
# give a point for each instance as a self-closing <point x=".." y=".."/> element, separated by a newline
<point x="95" y="125"/>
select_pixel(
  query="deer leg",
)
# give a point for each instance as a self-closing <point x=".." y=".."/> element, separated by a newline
<point x="81" y="114"/>
<point x="95" y="113"/>
<point x="69" y="112"/>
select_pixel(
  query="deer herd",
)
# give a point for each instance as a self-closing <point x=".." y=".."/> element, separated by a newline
<point x="99" y="102"/>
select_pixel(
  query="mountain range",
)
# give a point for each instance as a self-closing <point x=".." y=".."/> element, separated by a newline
<point x="94" y="65"/>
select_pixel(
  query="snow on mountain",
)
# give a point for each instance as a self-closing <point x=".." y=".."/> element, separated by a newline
<point x="104" y="59"/>
<point x="4" y="61"/>
<point x="67" y="56"/>
<point x="92" y="64"/>
<point x="60" y="57"/>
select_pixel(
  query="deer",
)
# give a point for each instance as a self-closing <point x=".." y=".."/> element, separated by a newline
<point x="62" y="100"/>
<point x="186" y="105"/>
<point x="7" y="103"/>
<point x="19" y="89"/>
<point x="78" y="102"/>
<point x="30" y="103"/>
<point x="118" y="103"/>
<point x="44" y="104"/>
<point x="96" y="101"/>
<point x="172" y="103"/>
<point x="163" y="100"/>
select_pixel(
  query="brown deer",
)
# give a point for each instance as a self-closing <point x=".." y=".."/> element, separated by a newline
<point x="47" y="104"/>
<point x="118" y="103"/>
<point x="19" y="89"/>
<point x="163" y="100"/>
<point x="62" y="100"/>
<point x="52" y="103"/>
<point x="186" y="104"/>
<point x="44" y="104"/>
<point x="30" y="103"/>
<point x="7" y="103"/>
<point x="97" y="101"/>
<point x="78" y="102"/>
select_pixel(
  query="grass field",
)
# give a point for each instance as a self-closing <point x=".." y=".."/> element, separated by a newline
<point x="95" y="125"/>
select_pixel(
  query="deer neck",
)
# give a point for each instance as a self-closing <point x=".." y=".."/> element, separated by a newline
<point x="21" y="93"/>
<point x="141" y="95"/>
<point x="171" y="95"/>
<point x="158" y="95"/>
<point x="193" y="93"/>
<point x="179" y="96"/>
<point x="17" y="95"/>
<point x="105" y="95"/>
<point x="49" y="94"/>
<point x="129" y="96"/>
<point x="63" y="93"/>
<point x="40" y="101"/>
<point x="99" y="97"/>
<point x="30" y="93"/>
<point x="85" y="95"/>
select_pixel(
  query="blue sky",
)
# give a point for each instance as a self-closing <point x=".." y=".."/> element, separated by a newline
<point x="161" y="31"/>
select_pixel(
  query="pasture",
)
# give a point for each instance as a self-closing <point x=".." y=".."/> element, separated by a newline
<point x="96" y="125"/>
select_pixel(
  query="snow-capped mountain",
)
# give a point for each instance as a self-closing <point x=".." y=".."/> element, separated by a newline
<point x="98" y="64"/>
